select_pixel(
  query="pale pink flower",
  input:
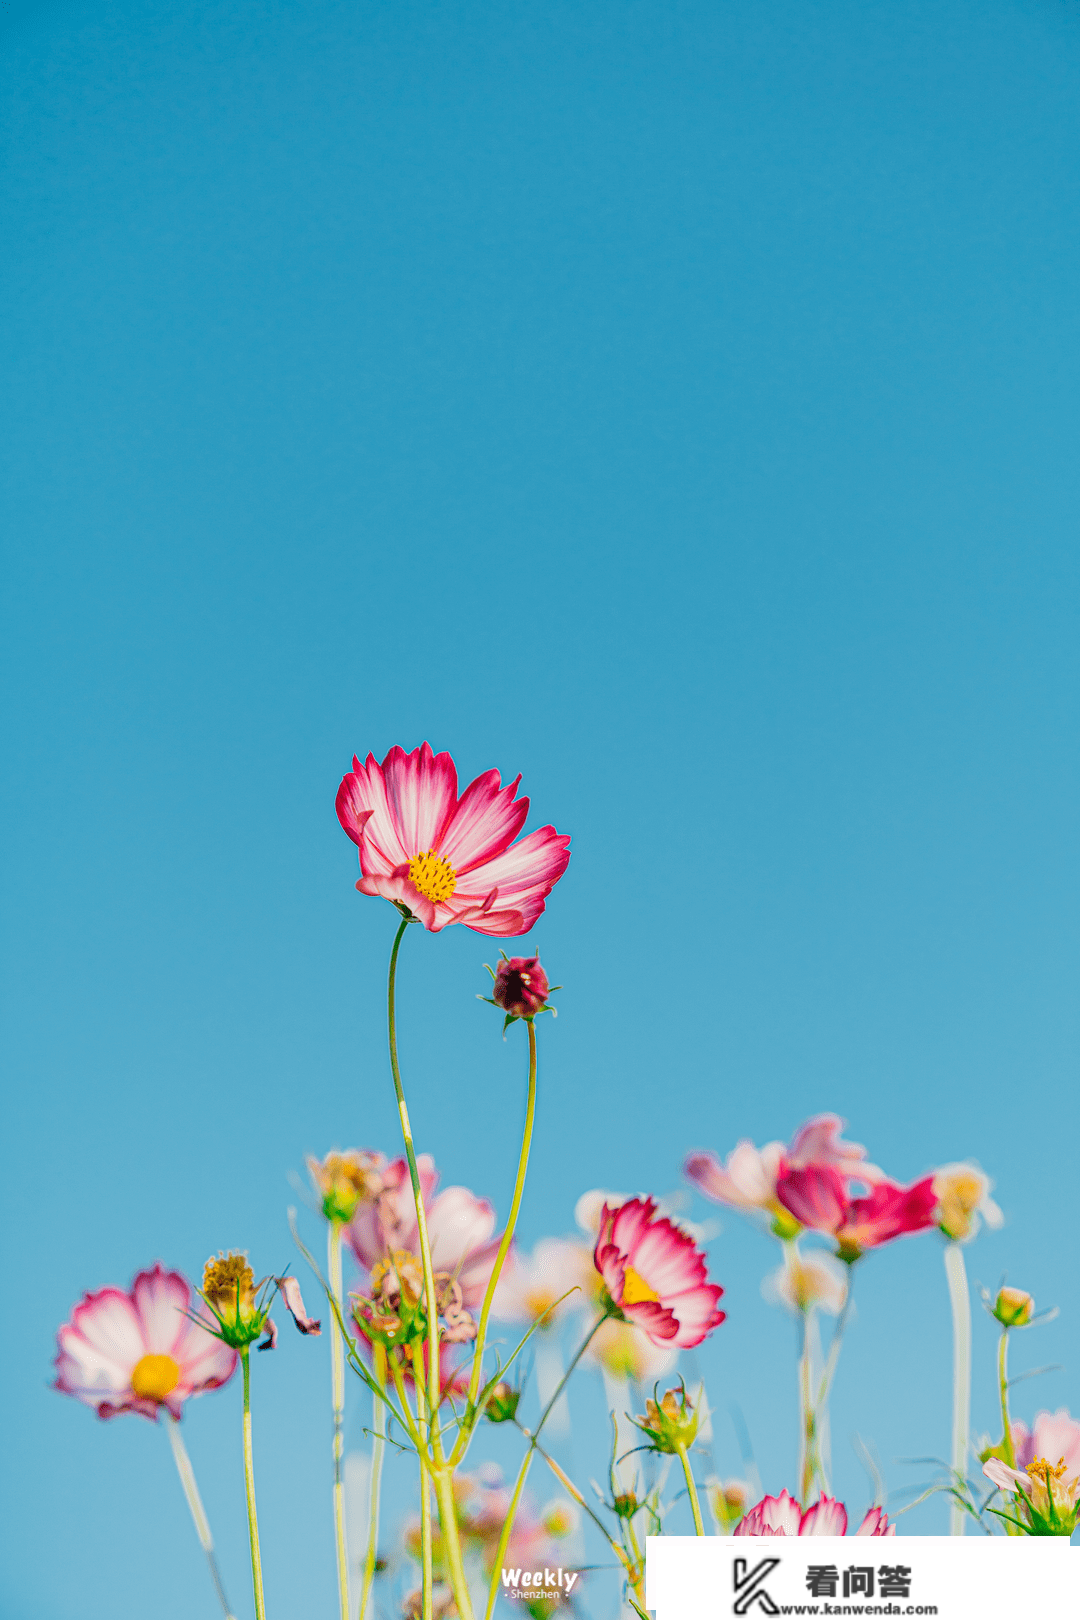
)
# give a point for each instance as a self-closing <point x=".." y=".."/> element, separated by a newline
<point x="818" y="1197"/>
<point x="140" y="1351"/>
<point x="448" y="859"/>
<point x="624" y="1351"/>
<point x="531" y="1283"/>
<point x="782" y="1516"/>
<point x="1053" y="1434"/>
<point x="747" y="1179"/>
<point x="459" y="1224"/>
<point x="655" y="1275"/>
<point x="804" y="1282"/>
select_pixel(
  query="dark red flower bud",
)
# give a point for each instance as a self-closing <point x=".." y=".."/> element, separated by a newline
<point x="521" y="986"/>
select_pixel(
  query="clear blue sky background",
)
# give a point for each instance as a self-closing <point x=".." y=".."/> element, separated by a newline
<point x="674" y="401"/>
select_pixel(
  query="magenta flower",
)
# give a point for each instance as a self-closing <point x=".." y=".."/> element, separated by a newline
<point x="782" y="1516"/>
<point x="141" y="1351"/>
<point x="448" y="859"/>
<point x="521" y="986"/>
<point x="818" y="1197"/>
<point x="460" y="1228"/>
<point x="747" y="1179"/>
<point x="655" y="1275"/>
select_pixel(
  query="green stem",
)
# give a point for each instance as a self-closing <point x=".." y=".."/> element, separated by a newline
<point x="249" y="1485"/>
<point x="504" y="1537"/>
<point x="807" y="1426"/>
<point x="378" y="1445"/>
<point x="960" y="1300"/>
<point x="423" y="1429"/>
<point x="337" y="1390"/>
<point x="508" y="1234"/>
<point x="194" y="1502"/>
<point x="414" y="1177"/>
<point x="1003" y="1386"/>
<point x="684" y="1458"/>
<point x="451" y="1542"/>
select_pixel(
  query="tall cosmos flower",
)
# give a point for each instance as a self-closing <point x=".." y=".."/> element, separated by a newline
<point x="747" y="1180"/>
<point x="819" y="1197"/>
<point x="140" y="1351"/>
<point x="448" y="859"/>
<point x="782" y="1516"/>
<point x="655" y="1275"/>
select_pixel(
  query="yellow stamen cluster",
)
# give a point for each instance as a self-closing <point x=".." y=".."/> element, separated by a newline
<point x="399" y="1278"/>
<point x="434" y="877"/>
<point x="959" y="1196"/>
<point x="1045" y="1472"/>
<point x="636" y="1290"/>
<point x="344" y="1181"/>
<point x="154" y="1377"/>
<point x="229" y="1283"/>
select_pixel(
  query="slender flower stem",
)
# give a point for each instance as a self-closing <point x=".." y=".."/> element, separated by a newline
<point x="414" y="1176"/>
<point x="423" y="1428"/>
<point x="1003" y="1386"/>
<point x="378" y="1446"/>
<point x="508" y="1234"/>
<point x="194" y="1502"/>
<point x="807" y="1425"/>
<point x="337" y="1389"/>
<point x="249" y="1484"/>
<point x="960" y="1300"/>
<point x="451" y="1542"/>
<point x="684" y="1458"/>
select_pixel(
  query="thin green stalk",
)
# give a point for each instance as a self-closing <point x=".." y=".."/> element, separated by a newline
<point x="423" y="1429"/>
<point x="194" y="1502"/>
<point x="1006" y="1426"/>
<point x="508" y="1234"/>
<point x="451" y="1542"/>
<point x="249" y="1485"/>
<point x="960" y="1300"/>
<point x="807" y="1425"/>
<point x="684" y="1458"/>
<point x="337" y="1390"/>
<point x="414" y="1177"/>
<point x="378" y="1446"/>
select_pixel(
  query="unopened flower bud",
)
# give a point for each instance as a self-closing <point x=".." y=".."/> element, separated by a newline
<point x="1013" y="1307"/>
<point x="502" y="1403"/>
<point x="672" y="1424"/>
<point x="626" y="1504"/>
<point x="521" y="986"/>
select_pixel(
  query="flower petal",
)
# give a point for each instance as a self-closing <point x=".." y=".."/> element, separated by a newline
<point x="289" y="1289"/>
<point x="161" y="1298"/>
<point x="827" y="1517"/>
<point x="486" y="821"/>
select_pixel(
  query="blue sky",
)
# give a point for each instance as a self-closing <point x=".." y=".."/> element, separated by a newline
<point x="676" y="403"/>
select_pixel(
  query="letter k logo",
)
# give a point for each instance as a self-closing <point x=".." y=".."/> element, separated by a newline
<point x="749" y="1587"/>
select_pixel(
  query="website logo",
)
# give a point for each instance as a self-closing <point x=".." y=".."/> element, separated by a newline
<point x="750" y="1590"/>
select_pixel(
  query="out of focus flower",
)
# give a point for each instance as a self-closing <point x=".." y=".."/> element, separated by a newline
<point x="670" y="1424"/>
<point x="1053" y="1434"/>
<point x="747" y="1179"/>
<point x="782" y="1516"/>
<point x="1013" y="1307"/>
<point x="1046" y="1495"/>
<point x="396" y="1311"/>
<point x="963" y="1201"/>
<point x="459" y="1224"/>
<point x="624" y="1351"/>
<point x="443" y="1606"/>
<point x="140" y="1351"/>
<point x="727" y="1500"/>
<point x="808" y="1282"/>
<point x="521" y="987"/>
<point x="344" y="1180"/>
<point x="445" y="859"/>
<point x="530" y="1284"/>
<point x="818" y="1197"/>
<point x="655" y="1275"/>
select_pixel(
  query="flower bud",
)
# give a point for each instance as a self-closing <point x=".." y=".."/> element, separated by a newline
<point x="502" y="1403"/>
<point x="626" y="1504"/>
<point x="521" y="986"/>
<point x="1013" y="1307"/>
<point x="346" y="1180"/>
<point x="671" y="1425"/>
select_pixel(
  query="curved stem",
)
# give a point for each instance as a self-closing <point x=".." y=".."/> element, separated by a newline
<point x="249" y="1485"/>
<point x="194" y="1502"/>
<point x="337" y="1391"/>
<point x="378" y="1446"/>
<point x="414" y="1177"/>
<point x="960" y="1300"/>
<point x="684" y="1458"/>
<point x="508" y="1234"/>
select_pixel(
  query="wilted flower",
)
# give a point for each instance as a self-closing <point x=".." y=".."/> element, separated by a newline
<point x="240" y="1306"/>
<point x="655" y="1275"/>
<point x="670" y="1424"/>
<point x="530" y="1284"/>
<point x="140" y="1351"/>
<point x="963" y="1195"/>
<point x="782" y="1516"/>
<point x="1013" y="1307"/>
<point x="747" y="1179"/>
<point x="808" y="1282"/>
<point x="446" y="859"/>
<point x="818" y="1197"/>
<point x="521" y="987"/>
<point x="396" y="1312"/>
<point x="1045" y="1495"/>
<point x="344" y="1180"/>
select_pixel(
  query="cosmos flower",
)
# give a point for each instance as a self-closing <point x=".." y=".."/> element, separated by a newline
<point x="443" y="858"/>
<point x="1053" y="1434"/>
<point x="140" y="1351"/>
<point x="655" y="1275"/>
<point x="805" y="1282"/>
<point x="530" y="1284"/>
<point x="818" y="1197"/>
<point x="964" y="1202"/>
<point x="747" y="1179"/>
<point x="1045" y="1494"/>
<point x="782" y="1516"/>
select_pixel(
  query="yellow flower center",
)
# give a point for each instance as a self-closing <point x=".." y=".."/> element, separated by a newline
<point x="636" y="1290"/>
<point x="155" y="1377"/>
<point x="434" y="877"/>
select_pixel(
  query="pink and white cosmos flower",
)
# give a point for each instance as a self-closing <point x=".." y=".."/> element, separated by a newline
<point x="139" y="1352"/>
<point x="448" y="859"/>
<point x="460" y="1227"/>
<point x="655" y="1275"/>
<point x="747" y="1179"/>
<point x="1053" y="1434"/>
<point x="818" y="1197"/>
<point x="782" y="1516"/>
